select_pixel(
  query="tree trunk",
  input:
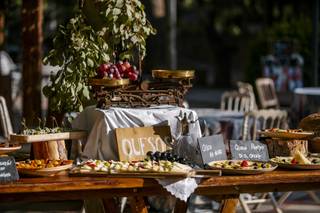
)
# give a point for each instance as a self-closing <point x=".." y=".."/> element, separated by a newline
<point x="2" y="19"/>
<point x="32" y="17"/>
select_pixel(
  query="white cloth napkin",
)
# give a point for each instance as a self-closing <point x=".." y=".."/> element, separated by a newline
<point x="181" y="189"/>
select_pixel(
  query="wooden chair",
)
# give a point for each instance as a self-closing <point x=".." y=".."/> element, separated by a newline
<point x="246" y="88"/>
<point x="5" y="120"/>
<point x="235" y="101"/>
<point x="267" y="93"/>
<point x="261" y="119"/>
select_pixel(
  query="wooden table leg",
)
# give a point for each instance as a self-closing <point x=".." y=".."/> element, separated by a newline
<point x="181" y="206"/>
<point x="229" y="205"/>
<point x="137" y="205"/>
<point x="110" y="205"/>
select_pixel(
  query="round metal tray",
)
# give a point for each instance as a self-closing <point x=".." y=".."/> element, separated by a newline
<point x="109" y="82"/>
<point x="173" y="73"/>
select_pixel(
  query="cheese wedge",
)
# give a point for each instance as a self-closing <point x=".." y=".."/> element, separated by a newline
<point x="300" y="158"/>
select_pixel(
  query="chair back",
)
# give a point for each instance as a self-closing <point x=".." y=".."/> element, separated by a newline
<point x="263" y="119"/>
<point x="246" y="88"/>
<point x="5" y="119"/>
<point x="235" y="101"/>
<point x="267" y="93"/>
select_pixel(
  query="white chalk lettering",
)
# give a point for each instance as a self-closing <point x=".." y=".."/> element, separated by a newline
<point x="240" y="148"/>
<point x="126" y="147"/>
<point x="254" y="156"/>
<point x="257" y="147"/>
<point x="142" y="144"/>
<point x="206" y="147"/>
<point x="5" y="174"/>
<point x="6" y="163"/>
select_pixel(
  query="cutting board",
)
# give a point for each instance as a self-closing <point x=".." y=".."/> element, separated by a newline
<point x="192" y="173"/>
<point x="72" y="135"/>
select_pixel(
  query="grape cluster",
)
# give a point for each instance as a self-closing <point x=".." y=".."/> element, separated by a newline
<point x="117" y="71"/>
<point x="167" y="155"/>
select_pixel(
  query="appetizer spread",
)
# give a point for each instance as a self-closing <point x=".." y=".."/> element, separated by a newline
<point x="298" y="158"/>
<point x="283" y="130"/>
<point x="134" y="166"/>
<point x="42" y="164"/>
<point x="240" y="164"/>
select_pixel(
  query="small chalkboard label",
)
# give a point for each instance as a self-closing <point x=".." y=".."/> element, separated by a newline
<point x="8" y="170"/>
<point x="249" y="150"/>
<point x="212" y="148"/>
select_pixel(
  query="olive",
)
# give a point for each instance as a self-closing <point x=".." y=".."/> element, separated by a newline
<point x="263" y="165"/>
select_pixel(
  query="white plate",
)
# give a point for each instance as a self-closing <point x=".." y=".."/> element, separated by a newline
<point x="11" y="148"/>
<point x="290" y="135"/>
<point x="243" y="171"/>
<point x="45" y="171"/>
<point x="296" y="166"/>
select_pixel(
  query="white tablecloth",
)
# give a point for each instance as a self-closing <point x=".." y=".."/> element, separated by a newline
<point x="100" y="124"/>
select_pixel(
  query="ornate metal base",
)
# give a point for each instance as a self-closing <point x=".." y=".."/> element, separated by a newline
<point x="162" y="91"/>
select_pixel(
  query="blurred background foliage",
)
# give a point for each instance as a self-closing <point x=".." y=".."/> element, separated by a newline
<point x="222" y="40"/>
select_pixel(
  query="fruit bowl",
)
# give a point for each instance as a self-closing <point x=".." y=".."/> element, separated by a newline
<point x="109" y="82"/>
<point x="178" y="74"/>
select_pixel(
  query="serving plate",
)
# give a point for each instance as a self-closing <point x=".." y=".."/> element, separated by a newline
<point x="9" y="149"/>
<point x="109" y="82"/>
<point x="173" y="74"/>
<point x="283" y="134"/>
<point x="242" y="170"/>
<point x="296" y="166"/>
<point x="45" y="171"/>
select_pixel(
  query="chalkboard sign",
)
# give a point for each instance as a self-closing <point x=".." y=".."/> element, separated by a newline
<point x="8" y="170"/>
<point x="212" y="148"/>
<point x="249" y="150"/>
<point x="134" y="143"/>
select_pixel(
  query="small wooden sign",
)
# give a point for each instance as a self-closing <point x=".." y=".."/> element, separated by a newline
<point x="212" y="148"/>
<point x="134" y="143"/>
<point x="249" y="150"/>
<point x="8" y="169"/>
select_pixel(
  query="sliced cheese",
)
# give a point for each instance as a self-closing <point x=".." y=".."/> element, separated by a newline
<point x="301" y="159"/>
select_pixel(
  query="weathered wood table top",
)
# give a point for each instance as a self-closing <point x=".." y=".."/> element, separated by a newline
<point x="223" y="187"/>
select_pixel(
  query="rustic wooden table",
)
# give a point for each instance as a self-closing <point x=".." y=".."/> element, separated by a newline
<point x="223" y="188"/>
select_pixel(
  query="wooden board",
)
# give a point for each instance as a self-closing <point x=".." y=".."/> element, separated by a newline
<point x="134" y="143"/>
<point x="72" y="135"/>
<point x="80" y="173"/>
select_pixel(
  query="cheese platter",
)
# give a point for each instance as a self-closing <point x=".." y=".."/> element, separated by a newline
<point x="242" y="167"/>
<point x="138" y="169"/>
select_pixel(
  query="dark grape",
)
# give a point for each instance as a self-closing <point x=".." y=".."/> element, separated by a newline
<point x="163" y="156"/>
<point x="150" y="153"/>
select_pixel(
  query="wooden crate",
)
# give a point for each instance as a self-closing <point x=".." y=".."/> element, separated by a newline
<point x="286" y="147"/>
